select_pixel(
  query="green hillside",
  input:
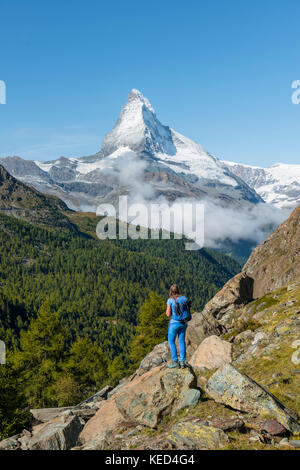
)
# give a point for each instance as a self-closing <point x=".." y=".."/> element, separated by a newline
<point x="97" y="287"/>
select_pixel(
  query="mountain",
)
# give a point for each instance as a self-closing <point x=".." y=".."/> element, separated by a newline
<point x="141" y="157"/>
<point x="27" y="203"/>
<point x="278" y="185"/>
<point x="276" y="261"/>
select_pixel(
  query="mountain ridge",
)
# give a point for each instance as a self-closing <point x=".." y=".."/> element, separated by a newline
<point x="139" y="148"/>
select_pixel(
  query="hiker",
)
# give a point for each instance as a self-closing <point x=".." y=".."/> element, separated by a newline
<point x="178" y="309"/>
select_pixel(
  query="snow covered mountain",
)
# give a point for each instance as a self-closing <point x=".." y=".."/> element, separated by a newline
<point x="278" y="185"/>
<point x="140" y="157"/>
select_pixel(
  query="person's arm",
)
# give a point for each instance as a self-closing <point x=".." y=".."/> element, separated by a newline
<point x="168" y="311"/>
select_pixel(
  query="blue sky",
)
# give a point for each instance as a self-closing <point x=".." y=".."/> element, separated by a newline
<point x="219" y="72"/>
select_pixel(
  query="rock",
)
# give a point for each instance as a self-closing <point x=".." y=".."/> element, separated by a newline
<point x="24" y="441"/>
<point x="236" y="292"/>
<point x="142" y="401"/>
<point x="154" y="394"/>
<point x="98" y="430"/>
<point x="46" y="414"/>
<point x="296" y="357"/>
<point x="197" y="436"/>
<point x="237" y="390"/>
<point x="188" y="398"/>
<point x="160" y="354"/>
<point x="121" y="384"/>
<point x="276" y="261"/>
<point x="294" y="443"/>
<point x="272" y="427"/>
<point x="296" y="344"/>
<point x="212" y="353"/>
<point x="226" y="424"/>
<point x="95" y="399"/>
<point x="59" y="433"/>
<point x="260" y="336"/>
<point x="243" y="336"/>
<point x="12" y="443"/>
<point x="200" y="327"/>
<point x="284" y="442"/>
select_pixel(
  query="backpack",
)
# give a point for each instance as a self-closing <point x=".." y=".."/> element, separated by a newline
<point x="183" y="310"/>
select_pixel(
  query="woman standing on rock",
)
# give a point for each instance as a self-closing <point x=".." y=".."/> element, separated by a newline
<point x="178" y="309"/>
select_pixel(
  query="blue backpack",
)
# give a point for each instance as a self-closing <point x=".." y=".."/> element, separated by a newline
<point x="182" y="309"/>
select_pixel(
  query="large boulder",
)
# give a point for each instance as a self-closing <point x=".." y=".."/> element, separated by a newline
<point x="60" y="433"/>
<point x="46" y="414"/>
<point x="237" y="390"/>
<point x="97" y="432"/>
<point x="144" y="400"/>
<point x="189" y="435"/>
<point x="158" y="392"/>
<point x="12" y="443"/>
<point x="212" y="353"/>
<point x="200" y="327"/>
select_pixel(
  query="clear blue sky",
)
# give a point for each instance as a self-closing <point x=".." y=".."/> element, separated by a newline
<point x="218" y="71"/>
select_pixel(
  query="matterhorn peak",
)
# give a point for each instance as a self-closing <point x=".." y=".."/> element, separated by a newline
<point x="138" y="128"/>
<point x="137" y="96"/>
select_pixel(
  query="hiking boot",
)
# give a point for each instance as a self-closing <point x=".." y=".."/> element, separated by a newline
<point x="173" y="365"/>
<point x="182" y="364"/>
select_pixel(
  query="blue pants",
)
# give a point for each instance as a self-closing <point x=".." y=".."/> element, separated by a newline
<point x="175" y="329"/>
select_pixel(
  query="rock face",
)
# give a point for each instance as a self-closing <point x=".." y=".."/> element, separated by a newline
<point x="197" y="436"/>
<point x="231" y="387"/>
<point x="212" y="353"/>
<point x="57" y="434"/>
<point x="236" y="292"/>
<point x="199" y="328"/>
<point x="276" y="261"/>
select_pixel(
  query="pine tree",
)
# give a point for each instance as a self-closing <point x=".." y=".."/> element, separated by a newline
<point x="88" y="365"/>
<point x="152" y="328"/>
<point x="40" y="357"/>
<point x="13" y="413"/>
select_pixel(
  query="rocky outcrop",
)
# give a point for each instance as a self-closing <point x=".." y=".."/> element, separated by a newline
<point x="236" y="292"/>
<point x="60" y="433"/>
<point x="157" y="393"/>
<point x="191" y="435"/>
<point x="200" y="327"/>
<point x="212" y="320"/>
<point x="97" y="432"/>
<point x="237" y="390"/>
<point x="276" y="261"/>
<point x="144" y="400"/>
<point x="212" y="353"/>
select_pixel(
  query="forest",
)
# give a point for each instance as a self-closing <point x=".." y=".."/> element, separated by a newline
<point x="77" y="313"/>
